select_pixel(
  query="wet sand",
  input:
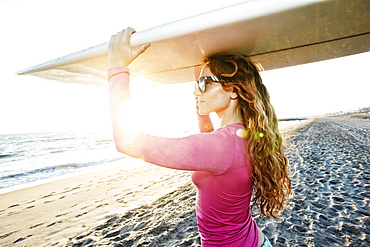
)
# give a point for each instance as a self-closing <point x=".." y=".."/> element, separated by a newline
<point x="330" y="162"/>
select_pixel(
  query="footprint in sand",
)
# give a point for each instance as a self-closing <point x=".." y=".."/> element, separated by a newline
<point x="120" y="200"/>
<point x="101" y="205"/>
<point x="69" y="190"/>
<point x="62" y="214"/>
<point x="147" y="187"/>
<point x="79" y="215"/>
<point x="51" y="194"/>
<point x="8" y="234"/>
<point x="12" y="213"/>
<point x="29" y="207"/>
<point x="56" y="222"/>
<point x="20" y="239"/>
<point x="37" y="225"/>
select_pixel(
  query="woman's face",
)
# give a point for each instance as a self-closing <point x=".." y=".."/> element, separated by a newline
<point x="215" y="98"/>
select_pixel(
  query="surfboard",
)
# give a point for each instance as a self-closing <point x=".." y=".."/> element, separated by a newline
<point x="275" y="34"/>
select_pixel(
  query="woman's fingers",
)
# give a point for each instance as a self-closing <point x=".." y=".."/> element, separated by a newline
<point x="127" y="38"/>
<point x="140" y="50"/>
<point x="120" y="52"/>
<point x="127" y="33"/>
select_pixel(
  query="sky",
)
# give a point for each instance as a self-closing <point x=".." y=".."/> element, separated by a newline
<point x="36" y="31"/>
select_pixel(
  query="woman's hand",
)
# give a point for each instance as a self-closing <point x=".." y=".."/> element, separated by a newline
<point x="120" y="53"/>
<point x="204" y="121"/>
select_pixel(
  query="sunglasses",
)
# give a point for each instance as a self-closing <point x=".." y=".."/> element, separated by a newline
<point x="201" y="84"/>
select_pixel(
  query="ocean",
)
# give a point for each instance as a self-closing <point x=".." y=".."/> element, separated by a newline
<point x="30" y="159"/>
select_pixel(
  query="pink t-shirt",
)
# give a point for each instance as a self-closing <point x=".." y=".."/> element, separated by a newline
<point x="223" y="175"/>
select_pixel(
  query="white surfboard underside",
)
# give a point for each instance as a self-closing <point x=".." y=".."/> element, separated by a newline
<point x="275" y="33"/>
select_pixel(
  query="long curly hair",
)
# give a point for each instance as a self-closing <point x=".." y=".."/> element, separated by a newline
<point x="272" y="185"/>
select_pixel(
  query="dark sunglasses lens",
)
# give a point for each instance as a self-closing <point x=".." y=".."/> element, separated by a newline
<point x="202" y="84"/>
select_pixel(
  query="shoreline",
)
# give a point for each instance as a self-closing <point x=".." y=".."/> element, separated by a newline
<point x="126" y="163"/>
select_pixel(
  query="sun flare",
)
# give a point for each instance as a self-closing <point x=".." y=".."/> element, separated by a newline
<point x="161" y="109"/>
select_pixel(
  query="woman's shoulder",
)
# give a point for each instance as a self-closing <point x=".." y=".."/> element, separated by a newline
<point x="234" y="133"/>
<point x="231" y="128"/>
<point x="230" y="133"/>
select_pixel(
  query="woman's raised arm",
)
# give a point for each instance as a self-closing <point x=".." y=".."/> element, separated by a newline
<point x="120" y="55"/>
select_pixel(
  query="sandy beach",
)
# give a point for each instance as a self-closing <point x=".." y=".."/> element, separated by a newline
<point x="153" y="206"/>
<point x="50" y="214"/>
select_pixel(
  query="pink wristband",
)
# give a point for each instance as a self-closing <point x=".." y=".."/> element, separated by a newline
<point x="121" y="72"/>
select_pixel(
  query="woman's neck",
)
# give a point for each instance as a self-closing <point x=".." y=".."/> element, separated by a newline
<point x="230" y="121"/>
<point x="229" y="116"/>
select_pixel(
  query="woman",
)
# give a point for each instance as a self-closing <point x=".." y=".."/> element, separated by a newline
<point x="226" y="164"/>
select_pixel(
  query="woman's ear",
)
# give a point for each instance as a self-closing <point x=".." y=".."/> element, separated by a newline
<point x="234" y="95"/>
